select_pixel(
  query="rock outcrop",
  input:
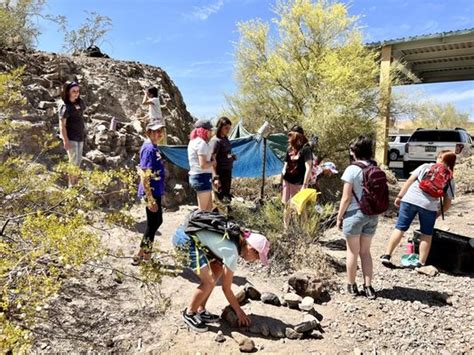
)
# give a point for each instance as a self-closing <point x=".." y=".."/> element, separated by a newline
<point x="112" y="90"/>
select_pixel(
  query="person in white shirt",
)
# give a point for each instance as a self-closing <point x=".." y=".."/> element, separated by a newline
<point x="201" y="163"/>
<point x="151" y="99"/>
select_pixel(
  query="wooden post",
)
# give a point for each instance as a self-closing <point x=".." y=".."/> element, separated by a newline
<point x="385" y="92"/>
<point x="264" y="163"/>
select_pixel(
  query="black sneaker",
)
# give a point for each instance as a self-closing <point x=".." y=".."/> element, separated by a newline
<point x="385" y="259"/>
<point x="208" y="317"/>
<point x="369" y="292"/>
<point x="194" y="322"/>
<point x="352" y="290"/>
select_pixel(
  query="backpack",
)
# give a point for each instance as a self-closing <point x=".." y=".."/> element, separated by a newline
<point x="436" y="180"/>
<point x="374" y="198"/>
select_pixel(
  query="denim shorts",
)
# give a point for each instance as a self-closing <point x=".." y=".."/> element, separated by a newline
<point x="75" y="152"/>
<point x="408" y="212"/>
<point x="197" y="258"/>
<point x="201" y="182"/>
<point x="355" y="223"/>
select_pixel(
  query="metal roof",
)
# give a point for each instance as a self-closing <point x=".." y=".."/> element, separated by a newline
<point x="434" y="58"/>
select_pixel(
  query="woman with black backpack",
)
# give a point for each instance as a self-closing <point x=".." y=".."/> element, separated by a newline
<point x="358" y="211"/>
<point x="427" y="186"/>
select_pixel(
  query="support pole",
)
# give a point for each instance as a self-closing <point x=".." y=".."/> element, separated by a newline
<point x="264" y="163"/>
<point x="385" y="93"/>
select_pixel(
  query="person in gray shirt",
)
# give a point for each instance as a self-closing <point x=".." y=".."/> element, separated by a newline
<point x="412" y="201"/>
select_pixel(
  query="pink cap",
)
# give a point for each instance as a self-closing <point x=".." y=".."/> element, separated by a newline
<point x="261" y="244"/>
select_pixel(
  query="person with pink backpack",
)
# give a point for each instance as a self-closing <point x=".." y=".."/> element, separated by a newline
<point x="428" y="193"/>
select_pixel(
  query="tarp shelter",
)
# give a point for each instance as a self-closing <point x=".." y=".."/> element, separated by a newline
<point x="249" y="151"/>
<point x="277" y="142"/>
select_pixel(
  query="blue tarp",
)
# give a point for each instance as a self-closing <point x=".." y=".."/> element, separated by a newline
<point x="249" y="153"/>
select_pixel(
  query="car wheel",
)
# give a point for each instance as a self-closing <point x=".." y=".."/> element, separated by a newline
<point x="393" y="155"/>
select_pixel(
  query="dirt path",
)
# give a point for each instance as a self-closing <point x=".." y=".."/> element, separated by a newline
<point x="106" y="312"/>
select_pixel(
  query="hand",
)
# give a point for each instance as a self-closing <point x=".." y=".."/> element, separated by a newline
<point x="67" y="145"/>
<point x="216" y="183"/>
<point x="339" y="223"/>
<point x="303" y="187"/>
<point x="244" y="321"/>
<point x="213" y="163"/>
<point x="397" y="202"/>
<point x="153" y="207"/>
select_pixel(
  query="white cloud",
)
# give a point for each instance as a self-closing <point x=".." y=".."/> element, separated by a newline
<point x="203" y="69"/>
<point x="202" y="13"/>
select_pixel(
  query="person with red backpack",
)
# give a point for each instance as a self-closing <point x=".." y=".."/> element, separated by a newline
<point x="364" y="197"/>
<point x="427" y="193"/>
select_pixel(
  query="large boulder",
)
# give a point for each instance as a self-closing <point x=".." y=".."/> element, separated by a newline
<point x="307" y="285"/>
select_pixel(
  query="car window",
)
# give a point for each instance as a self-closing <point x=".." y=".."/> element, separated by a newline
<point x="435" y="136"/>
<point x="392" y="138"/>
<point x="404" y="139"/>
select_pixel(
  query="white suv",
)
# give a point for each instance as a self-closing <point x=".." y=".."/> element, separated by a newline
<point x="424" y="145"/>
<point x="396" y="146"/>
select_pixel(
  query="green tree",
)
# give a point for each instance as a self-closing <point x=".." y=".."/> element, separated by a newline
<point x="311" y="68"/>
<point x="91" y="33"/>
<point x="17" y="25"/>
<point x="438" y="115"/>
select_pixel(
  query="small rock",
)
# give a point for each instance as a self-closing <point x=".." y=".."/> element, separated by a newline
<point x="270" y="298"/>
<point x="309" y="323"/>
<point x="293" y="300"/>
<point x="292" y="334"/>
<point x="252" y="293"/>
<point x="429" y="270"/>
<point x="241" y="296"/>
<point x="230" y="317"/>
<point x="306" y="284"/>
<point x="109" y="343"/>
<point x="315" y="334"/>
<point x="220" y="338"/>
<point x="307" y="304"/>
<point x="246" y="345"/>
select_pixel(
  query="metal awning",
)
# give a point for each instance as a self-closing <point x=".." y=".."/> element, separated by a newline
<point x="435" y="58"/>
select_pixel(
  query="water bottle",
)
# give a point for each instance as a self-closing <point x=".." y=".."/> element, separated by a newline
<point x="410" y="247"/>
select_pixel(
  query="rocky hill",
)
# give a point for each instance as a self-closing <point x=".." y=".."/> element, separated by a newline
<point x="111" y="89"/>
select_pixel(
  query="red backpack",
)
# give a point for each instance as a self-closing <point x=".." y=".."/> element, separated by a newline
<point x="374" y="199"/>
<point x="435" y="181"/>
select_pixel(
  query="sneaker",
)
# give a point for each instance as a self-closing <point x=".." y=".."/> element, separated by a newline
<point x="385" y="259"/>
<point x="369" y="292"/>
<point x="194" y="322"/>
<point x="208" y="317"/>
<point x="352" y="289"/>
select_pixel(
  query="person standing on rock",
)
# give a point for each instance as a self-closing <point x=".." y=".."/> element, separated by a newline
<point x="412" y="200"/>
<point x="151" y="99"/>
<point x="358" y="228"/>
<point x="297" y="167"/>
<point x="222" y="153"/>
<point x="151" y="188"/>
<point x="72" y="126"/>
<point x="201" y="164"/>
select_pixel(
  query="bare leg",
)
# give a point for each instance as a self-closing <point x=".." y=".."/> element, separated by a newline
<point x="366" y="259"/>
<point x="425" y="246"/>
<point x="394" y="240"/>
<point x="353" y="249"/>
<point x="203" y="291"/>
<point x="205" y="200"/>
<point x="217" y="270"/>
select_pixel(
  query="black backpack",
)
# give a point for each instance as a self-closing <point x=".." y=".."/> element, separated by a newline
<point x="214" y="222"/>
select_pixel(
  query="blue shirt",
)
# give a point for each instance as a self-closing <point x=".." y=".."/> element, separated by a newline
<point x="150" y="158"/>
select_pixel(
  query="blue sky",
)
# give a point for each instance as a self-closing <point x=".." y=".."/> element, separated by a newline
<point x="193" y="39"/>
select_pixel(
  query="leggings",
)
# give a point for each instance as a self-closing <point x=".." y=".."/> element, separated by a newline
<point x="225" y="178"/>
<point x="153" y="222"/>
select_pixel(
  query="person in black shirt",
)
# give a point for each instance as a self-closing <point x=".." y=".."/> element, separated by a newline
<point x="298" y="165"/>
<point x="71" y="125"/>
<point x="222" y="152"/>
